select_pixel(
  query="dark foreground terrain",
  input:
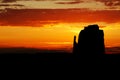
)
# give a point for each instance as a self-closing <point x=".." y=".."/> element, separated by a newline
<point x="56" y="58"/>
<point x="34" y="56"/>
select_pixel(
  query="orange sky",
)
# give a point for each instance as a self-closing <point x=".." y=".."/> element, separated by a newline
<point x="53" y="25"/>
<point x="53" y="36"/>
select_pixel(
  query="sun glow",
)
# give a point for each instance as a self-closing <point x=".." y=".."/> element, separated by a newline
<point x="52" y="36"/>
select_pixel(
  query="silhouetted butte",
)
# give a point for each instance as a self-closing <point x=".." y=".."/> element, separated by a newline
<point x="90" y="42"/>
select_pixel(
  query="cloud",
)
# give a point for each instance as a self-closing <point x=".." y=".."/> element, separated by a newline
<point x="70" y="2"/>
<point x="110" y="2"/>
<point x="106" y="2"/>
<point x="58" y="4"/>
<point x="113" y="50"/>
<point x="11" y="5"/>
<point x="39" y="17"/>
<point x="6" y="1"/>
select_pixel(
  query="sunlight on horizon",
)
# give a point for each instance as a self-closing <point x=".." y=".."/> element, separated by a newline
<point x="53" y="35"/>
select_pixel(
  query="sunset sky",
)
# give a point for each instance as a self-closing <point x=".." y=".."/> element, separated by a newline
<point x="52" y="24"/>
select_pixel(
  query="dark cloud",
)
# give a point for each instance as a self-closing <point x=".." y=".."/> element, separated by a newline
<point x="113" y="50"/>
<point x="71" y="2"/>
<point x="5" y="1"/>
<point x="110" y="2"/>
<point x="11" y="5"/>
<point x="117" y="4"/>
<point x="38" y="17"/>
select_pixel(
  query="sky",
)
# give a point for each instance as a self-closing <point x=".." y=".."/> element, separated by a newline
<point x="52" y="24"/>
